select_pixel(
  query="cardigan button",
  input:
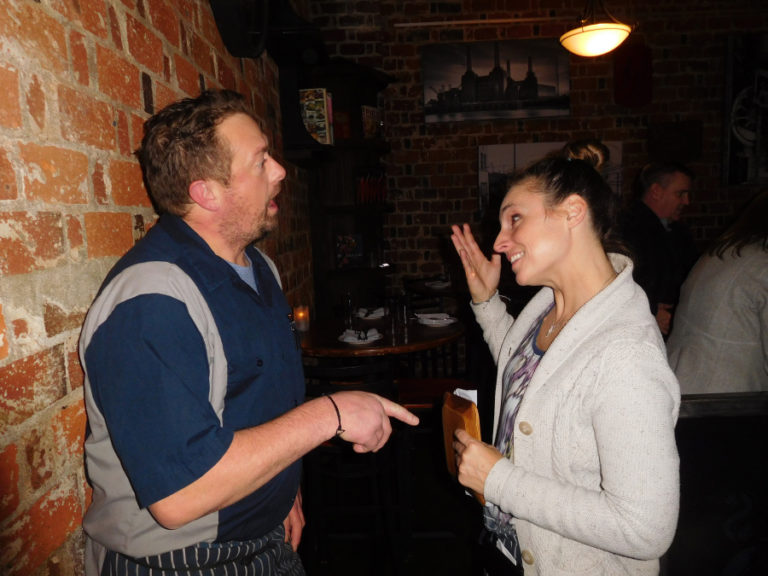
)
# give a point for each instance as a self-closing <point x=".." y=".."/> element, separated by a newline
<point x="259" y="362"/>
<point x="527" y="557"/>
<point x="526" y="428"/>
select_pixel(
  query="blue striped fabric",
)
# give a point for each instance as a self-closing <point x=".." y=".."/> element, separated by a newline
<point x="269" y="555"/>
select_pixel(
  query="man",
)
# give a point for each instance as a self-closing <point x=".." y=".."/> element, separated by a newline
<point x="662" y="247"/>
<point x="194" y="387"/>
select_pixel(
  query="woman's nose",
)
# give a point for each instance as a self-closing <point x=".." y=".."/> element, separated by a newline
<point x="502" y="242"/>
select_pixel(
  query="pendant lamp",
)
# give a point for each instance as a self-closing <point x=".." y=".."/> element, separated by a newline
<point x="596" y="34"/>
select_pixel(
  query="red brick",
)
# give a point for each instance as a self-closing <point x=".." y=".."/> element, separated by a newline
<point x="37" y="35"/>
<point x="91" y="14"/>
<point x="29" y="241"/>
<point x="40" y="531"/>
<point x="118" y="78"/>
<point x="79" y="59"/>
<point x="108" y="233"/>
<point x="36" y="105"/>
<point x="165" y="21"/>
<point x="127" y="185"/>
<point x="4" y="336"/>
<point x="69" y="430"/>
<point x="9" y="481"/>
<point x="10" y="107"/>
<point x="99" y="185"/>
<point x="114" y="28"/>
<point x="75" y="370"/>
<point x="58" y="320"/>
<point x="186" y="76"/>
<point x="39" y="456"/>
<point x="164" y="95"/>
<point x="30" y="384"/>
<point x="74" y="233"/>
<point x="85" y="120"/>
<point x="54" y="175"/>
<point x="8" y="187"/>
<point x="137" y="131"/>
<point x="144" y="45"/>
<point x="123" y="134"/>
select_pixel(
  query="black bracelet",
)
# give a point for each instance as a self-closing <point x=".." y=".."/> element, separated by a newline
<point x="339" y="430"/>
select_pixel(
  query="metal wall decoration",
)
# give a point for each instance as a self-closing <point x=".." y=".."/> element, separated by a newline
<point x="746" y="110"/>
<point x="508" y="79"/>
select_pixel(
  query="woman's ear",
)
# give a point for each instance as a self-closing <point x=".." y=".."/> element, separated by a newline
<point x="204" y="194"/>
<point x="576" y="209"/>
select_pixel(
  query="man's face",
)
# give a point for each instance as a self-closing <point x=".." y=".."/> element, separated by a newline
<point x="250" y="211"/>
<point x="671" y="196"/>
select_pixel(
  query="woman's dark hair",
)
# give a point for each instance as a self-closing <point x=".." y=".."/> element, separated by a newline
<point x="180" y="145"/>
<point x="750" y="227"/>
<point x="559" y="177"/>
<point x="590" y="150"/>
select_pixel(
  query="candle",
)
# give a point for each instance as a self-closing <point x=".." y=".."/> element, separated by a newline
<point x="301" y="317"/>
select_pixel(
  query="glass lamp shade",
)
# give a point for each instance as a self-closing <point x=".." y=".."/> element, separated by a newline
<point x="595" y="39"/>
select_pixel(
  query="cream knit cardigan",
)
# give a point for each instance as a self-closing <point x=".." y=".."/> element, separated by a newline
<point x="594" y="485"/>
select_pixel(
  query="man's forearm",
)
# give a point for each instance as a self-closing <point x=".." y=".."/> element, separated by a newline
<point x="255" y="456"/>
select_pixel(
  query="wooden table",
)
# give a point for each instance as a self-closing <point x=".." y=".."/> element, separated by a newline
<point x="323" y="340"/>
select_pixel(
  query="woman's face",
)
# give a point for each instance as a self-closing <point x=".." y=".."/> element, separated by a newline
<point x="533" y="237"/>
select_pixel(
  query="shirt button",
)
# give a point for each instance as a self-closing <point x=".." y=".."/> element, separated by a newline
<point x="526" y="428"/>
<point x="527" y="557"/>
<point x="259" y="362"/>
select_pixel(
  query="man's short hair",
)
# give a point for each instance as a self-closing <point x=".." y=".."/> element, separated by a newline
<point x="180" y="145"/>
<point x="659" y="173"/>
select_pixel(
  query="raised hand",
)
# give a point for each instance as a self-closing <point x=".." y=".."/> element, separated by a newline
<point x="482" y="274"/>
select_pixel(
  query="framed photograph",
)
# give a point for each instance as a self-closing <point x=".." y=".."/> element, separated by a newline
<point x="497" y="162"/>
<point x="490" y="80"/>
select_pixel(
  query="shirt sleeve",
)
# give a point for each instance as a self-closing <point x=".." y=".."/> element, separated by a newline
<point x="148" y="370"/>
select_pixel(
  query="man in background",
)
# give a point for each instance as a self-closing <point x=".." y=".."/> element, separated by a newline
<point x="194" y="387"/>
<point x="662" y="246"/>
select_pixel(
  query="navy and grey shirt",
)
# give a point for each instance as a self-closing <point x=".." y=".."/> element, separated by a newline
<point x="180" y="353"/>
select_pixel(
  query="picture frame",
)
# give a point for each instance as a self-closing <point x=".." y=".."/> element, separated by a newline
<point x="509" y="79"/>
<point x="497" y="162"/>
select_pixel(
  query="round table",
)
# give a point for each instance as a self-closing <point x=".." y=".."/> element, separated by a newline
<point x="323" y="341"/>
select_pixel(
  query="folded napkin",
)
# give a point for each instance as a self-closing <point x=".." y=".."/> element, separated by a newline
<point x="371" y="313"/>
<point x="358" y="336"/>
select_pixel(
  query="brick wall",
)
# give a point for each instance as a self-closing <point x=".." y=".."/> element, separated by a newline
<point x="432" y="169"/>
<point x="78" y="79"/>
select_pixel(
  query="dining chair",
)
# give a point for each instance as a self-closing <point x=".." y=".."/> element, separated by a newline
<point x="351" y="499"/>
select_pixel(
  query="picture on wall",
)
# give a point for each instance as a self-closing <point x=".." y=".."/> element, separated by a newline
<point x="495" y="80"/>
<point x="499" y="161"/>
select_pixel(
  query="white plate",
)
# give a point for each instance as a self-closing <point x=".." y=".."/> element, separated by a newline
<point x="437" y="322"/>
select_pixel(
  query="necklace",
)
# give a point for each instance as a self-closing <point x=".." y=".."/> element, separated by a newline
<point x="555" y="324"/>
<point x="563" y="321"/>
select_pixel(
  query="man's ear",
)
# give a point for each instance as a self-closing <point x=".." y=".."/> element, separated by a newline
<point x="576" y="209"/>
<point x="204" y="194"/>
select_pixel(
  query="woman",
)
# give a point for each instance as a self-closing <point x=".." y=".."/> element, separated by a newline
<point x="584" y="471"/>
<point x="719" y="342"/>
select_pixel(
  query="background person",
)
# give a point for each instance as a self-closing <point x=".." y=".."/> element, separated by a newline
<point x="662" y="247"/>
<point x="720" y="339"/>
<point x="194" y="387"/>
<point x="583" y="474"/>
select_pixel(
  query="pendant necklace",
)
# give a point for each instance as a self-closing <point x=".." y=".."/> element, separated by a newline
<point x="563" y="322"/>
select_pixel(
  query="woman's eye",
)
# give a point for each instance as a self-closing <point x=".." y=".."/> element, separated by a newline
<point x="515" y="218"/>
